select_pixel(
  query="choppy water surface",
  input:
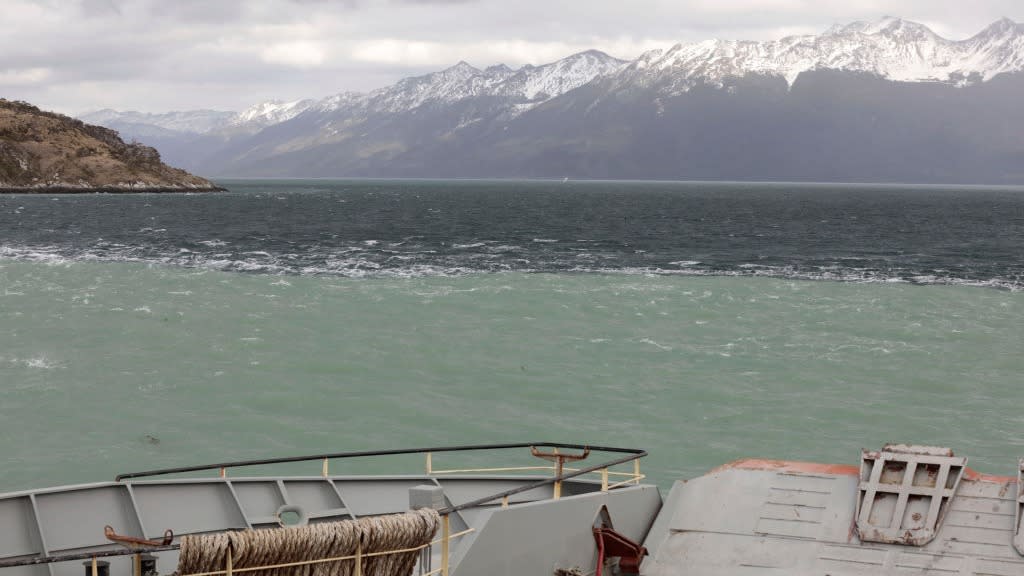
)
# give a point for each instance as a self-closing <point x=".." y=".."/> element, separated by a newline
<point x="412" y="228"/>
<point x="297" y="317"/>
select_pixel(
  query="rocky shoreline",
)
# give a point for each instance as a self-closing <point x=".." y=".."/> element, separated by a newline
<point x="111" y="190"/>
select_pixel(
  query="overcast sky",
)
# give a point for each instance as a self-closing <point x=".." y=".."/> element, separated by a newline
<point x="76" y="56"/>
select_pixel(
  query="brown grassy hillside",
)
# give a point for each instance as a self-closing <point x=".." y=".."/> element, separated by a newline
<point x="44" y="151"/>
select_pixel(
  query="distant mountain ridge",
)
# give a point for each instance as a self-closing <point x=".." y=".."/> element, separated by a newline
<point x="892" y="48"/>
<point x="566" y="118"/>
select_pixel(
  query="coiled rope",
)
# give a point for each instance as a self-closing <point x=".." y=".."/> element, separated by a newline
<point x="382" y="545"/>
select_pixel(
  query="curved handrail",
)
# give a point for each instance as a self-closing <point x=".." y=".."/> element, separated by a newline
<point x="362" y="454"/>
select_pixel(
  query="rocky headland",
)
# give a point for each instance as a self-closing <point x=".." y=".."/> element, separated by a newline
<point x="44" y="152"/>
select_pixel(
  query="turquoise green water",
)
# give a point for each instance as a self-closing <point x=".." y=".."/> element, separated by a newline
<point x="698" y="370"/>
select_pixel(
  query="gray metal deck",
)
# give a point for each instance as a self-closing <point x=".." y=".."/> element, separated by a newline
<point x="905" y="510"/>
<point x="758" y="517"/>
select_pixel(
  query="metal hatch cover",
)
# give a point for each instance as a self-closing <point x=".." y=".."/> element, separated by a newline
<point x="905" y="492"/>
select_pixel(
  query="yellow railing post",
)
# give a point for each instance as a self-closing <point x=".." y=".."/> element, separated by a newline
<point x="445" y="541"/>
<point x="636" y="470"/>
<point x="504" y="502"/>
<point x="227" y="563"/>
<point x="95" y="568"/>
<point x="137" y="565"/>
<point x="604" y="479"/>
<point x="325" y="471"/>
<point x="559" y="464"/>
<point x="223" y="472"/>
<point x="430" y="464"/>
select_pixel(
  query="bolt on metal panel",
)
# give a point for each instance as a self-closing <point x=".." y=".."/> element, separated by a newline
<point x="905" y="492"/>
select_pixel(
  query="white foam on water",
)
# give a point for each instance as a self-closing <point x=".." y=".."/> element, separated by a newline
<point x="503" y="248"/>
<point x="480" y="258"/>
<point x="37" y="362"/>
<point x="656" y="344"/>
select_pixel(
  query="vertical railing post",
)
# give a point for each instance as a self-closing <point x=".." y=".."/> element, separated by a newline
<point x="604" y="479"/>
<point x="324" y="471"/>
<point x="445" y="540"/>
<point x="359" y="559"/>
<point x="137" y="565"/>
<point x="227" y="563"/>
<point x="95" y="567"/>
<point x="223" y="472"/>
<point x="430" y="464"/>
<point x="504" y="501"/>
<point x="559" y="467"/>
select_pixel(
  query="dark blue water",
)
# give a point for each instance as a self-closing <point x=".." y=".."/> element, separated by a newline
<point x="387" y="228"/>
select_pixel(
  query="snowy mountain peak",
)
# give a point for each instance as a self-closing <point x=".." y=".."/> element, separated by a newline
<point x="892" y="26"/>
<point x="271" y="112"/>
<point x="528" y="86"/>
<point x="1000" y="28"/>
<point x="463" y="68"/>
<point x="498" y="69"/>
<point x="536" y="84"/>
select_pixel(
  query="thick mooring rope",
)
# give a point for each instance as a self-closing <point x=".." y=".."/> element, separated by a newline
<point x="300" y="548"/>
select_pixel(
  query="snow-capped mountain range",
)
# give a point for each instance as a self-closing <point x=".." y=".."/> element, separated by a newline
<point x="593" y="115"/>
<point x="892" y="48"/>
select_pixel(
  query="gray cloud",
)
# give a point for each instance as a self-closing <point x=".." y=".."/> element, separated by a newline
<point x="92" y="8"/>
<point x="155" y="55"/>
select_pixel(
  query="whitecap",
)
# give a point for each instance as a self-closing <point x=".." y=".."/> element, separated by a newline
<point x="656" y="345"/>
<point x="39" y="362"/>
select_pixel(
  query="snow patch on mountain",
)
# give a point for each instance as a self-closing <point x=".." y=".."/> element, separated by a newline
<point x="541" y="83"/>
<point x="271" y="112"/>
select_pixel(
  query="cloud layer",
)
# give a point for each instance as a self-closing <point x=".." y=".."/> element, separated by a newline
<point x="155" y="55"/>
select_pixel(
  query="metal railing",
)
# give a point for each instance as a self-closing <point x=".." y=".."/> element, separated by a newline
<point x="561" y="474"/>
